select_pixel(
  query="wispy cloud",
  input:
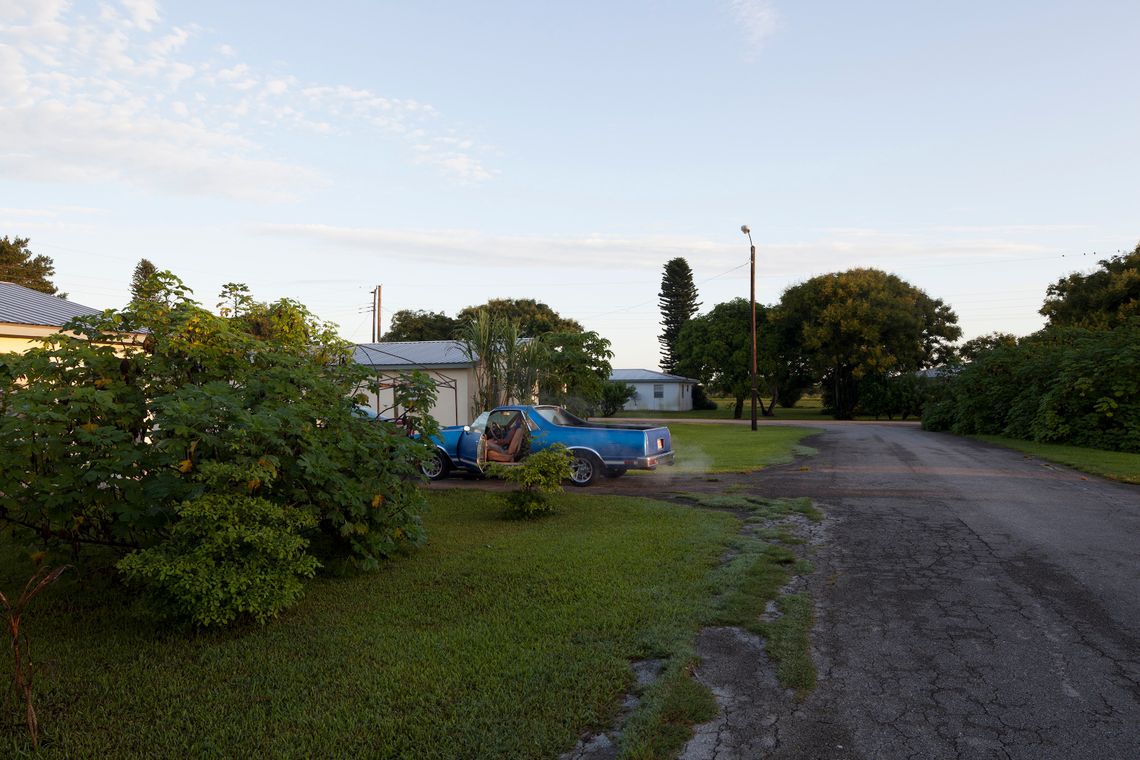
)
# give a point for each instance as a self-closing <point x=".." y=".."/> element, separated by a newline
<point x="787" y="259"/>
<point x="110" y="92"/>
<point x="758" y="19"/>
<point x="466" y="246"/>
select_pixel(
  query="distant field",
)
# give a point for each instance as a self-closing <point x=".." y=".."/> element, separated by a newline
<point x="807" y="408"/>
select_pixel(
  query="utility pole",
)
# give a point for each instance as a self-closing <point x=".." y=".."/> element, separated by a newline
<point x="376" y="314"/>
<point x="752" y="259"/>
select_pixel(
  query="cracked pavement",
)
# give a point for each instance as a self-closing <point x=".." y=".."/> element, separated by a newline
<point x="971" y="602"/>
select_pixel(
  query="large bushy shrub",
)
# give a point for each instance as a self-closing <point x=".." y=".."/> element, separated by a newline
<point x="226" y="556"/>
<point x="701" y="400"/>
<point x="1066" y="385"/>
<point x="108" y="437"/>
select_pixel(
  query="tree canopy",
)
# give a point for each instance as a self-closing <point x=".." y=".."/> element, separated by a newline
<point x="1102" y="299"/>
<point x="18" y="265"/>
<point x="574" y="370"/>
<point x="678" y="301"/>
<point x="975" y="347"/>
<point x="414" y="324"/>
<point x="144" y="287"/>
<point x="716" y="348"/>
<point x="532" y="317"/>
<point x="862" y="323"/>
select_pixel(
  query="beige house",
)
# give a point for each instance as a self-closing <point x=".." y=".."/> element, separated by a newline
<point x="443" y="360"/>
<point x="27" y="316"/>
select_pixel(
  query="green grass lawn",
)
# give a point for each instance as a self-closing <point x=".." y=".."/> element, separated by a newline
<point x="702" y="447"/>
<point x="498" y="639"/>
<point x="1117" y="465"/>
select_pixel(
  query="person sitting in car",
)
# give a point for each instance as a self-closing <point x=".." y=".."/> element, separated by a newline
<point x="507" y="447"/>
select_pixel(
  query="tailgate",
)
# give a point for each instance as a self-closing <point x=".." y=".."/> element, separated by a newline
<point x="657" y="441"/>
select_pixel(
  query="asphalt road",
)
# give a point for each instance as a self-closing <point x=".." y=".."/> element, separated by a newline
<point x="971" y="603"/>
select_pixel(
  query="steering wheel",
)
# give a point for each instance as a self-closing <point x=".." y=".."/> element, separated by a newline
<point x="495" y="430"/>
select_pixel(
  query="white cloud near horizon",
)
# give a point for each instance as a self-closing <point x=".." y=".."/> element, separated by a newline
<point x="833" y="250"/>
<point x="112" y="93"/>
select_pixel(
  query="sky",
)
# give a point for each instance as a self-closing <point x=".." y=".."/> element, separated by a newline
<point x="454" y="152"/>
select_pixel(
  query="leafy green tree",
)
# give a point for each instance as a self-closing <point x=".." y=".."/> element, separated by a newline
<point x="1103" y="299"/>
<point x="532" y="317"/>
<point x="116" y="445"/>
<point x="975" y="347"/>
<point x="716" y="348"/>
<point x="567" y="367"/>
<point x="144" y="287"/>
<point x="18" y="265"/>
<point x="864" y="323"/>
<point x="902" y="395"/>
<point x="615" y="394"/>
<point x="234" y="300"/>
<point x="575" y="369"/>
<point x="678" y="302"/>
<point x="412" y="324"/>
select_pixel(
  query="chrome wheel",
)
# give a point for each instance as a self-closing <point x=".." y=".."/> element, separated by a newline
<point x="584" y="468"/>
<point x="435" y="468"/>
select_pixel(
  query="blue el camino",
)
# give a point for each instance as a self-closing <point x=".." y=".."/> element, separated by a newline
<point x="508" y="433"/>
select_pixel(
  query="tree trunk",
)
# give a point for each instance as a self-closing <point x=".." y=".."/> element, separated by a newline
<point x="771" y="410"/>
<point x="738" y="410"/>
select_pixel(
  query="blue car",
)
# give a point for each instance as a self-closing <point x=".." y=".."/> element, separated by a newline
<point x="507" y="434"/>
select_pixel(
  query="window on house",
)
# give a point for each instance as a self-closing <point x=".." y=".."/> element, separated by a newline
<point x="659" y="390"/>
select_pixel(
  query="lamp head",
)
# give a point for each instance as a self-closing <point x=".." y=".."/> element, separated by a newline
<point x="745" y="230"/>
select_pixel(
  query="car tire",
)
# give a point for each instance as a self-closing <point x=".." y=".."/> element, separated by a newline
<point x="585" y="468"/>
<point x="614" y="472"/>
<point x="436" y="468"/>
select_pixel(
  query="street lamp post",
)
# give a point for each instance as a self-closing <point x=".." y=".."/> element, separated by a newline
<point x="752" y="255"/>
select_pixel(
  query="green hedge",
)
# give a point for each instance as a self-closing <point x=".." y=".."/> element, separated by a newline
<point x="1062" y="385"/>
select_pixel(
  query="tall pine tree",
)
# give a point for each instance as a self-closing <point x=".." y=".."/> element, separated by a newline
<point x="678" y="301"/>
<point x="19" y="266"/>
<point x="143" y="288"/>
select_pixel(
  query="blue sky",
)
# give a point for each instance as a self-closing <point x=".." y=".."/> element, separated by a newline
<point x="456" y="152"/>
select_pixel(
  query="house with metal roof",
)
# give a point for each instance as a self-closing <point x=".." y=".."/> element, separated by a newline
<point x="445" y="361"/>
<point x="657" y="391"/>
<point x="27" y="316"/>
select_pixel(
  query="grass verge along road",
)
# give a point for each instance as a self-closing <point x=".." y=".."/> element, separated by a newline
<point x="1115" y="465"/>
<point x="703" y="447"/>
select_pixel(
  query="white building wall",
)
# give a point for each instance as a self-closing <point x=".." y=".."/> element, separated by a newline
<point x="675" y="397"/>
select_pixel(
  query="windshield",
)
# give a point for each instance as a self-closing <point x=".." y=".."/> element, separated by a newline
<point x="480" y="422"/>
